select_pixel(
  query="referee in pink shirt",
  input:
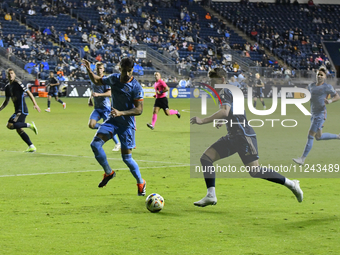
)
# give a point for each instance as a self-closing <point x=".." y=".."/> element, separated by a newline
<point x="161" y="101"/>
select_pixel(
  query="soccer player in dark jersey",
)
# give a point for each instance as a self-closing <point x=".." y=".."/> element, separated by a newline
<point x="258" y="93"/>
<point x="127" y="102"/>
<point x="102" y="105"/>
<point x="240" y="139"/>
<point x="53" y="92"/>
<point x="161" y="101"/>
<point x="319" y="91"/>
<point x="15" y="90"/>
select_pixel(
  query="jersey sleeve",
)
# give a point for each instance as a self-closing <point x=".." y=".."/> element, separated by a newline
<point x="138" y="92"/>
<point x="7" y="93"/>
<point x="22" y="86"/>
<point x="108" y="80"/>
<point x="331" y="90"/>
<point x="226" y="97"/>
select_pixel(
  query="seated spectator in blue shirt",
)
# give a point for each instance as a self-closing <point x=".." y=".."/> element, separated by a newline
<point x="60" y="77"/>
<point x="186" y="17"/>
<point x="47" y="31"/>
<point x="1" y="42"/>
<point x="30" y="66"/>
<point x="182" y="84"/>
<point x="46" y="66"/>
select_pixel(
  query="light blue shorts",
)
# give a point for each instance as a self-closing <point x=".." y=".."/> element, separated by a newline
<point x="317" y="121"/>
<point x="126" y="134"/>
<point x="98" y="114"/>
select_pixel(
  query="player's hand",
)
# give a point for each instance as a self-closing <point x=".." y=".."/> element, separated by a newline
<point x="196" y="120"/>
<point x="154" y="95"/>
<point x="87" y="64"/>
<point x="328" y="101"/>
<point x="115" y="113"/>
<point x="90" y="103"/>
<point x="218" y="125"/>
<point x="94" y="94"/>
<point x="36" y="107"/>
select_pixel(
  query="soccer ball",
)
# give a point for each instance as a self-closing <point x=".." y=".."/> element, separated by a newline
<point x="154" y="202"/>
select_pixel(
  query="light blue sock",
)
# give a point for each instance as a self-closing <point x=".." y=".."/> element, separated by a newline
<point x="115" y="139"/>
<point x="133" y="166"/>
<point x="308" y="146"/>
<point x="328" y="136"/>
<point x="99" y="154"/>
<point x="96" y="126"/>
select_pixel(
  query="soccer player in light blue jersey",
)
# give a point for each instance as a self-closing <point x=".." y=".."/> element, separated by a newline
<point x="127" y="102"/>
<point x="319" y="91"/>
<point x="102" y="105"/>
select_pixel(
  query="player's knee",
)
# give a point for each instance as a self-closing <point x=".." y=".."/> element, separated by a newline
<point x="10" y="126"/>
<point x="317" y="137"/>
<point x="310" y="137"/>
<point x="205" y="158"/>
<point x="96" y="144"/>
<point x="91" y="125"/>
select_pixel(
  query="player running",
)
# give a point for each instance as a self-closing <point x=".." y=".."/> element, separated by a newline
<point x="102" y="105"/>
<point x="259" y="86"/>
<point x="127" y="102"/>
<point x="240" y="139"/>
<point x="319" y="91"/>
<point x="161" y="101"/>
<point x="15" y="90"/>
<point x="53" y="92"/>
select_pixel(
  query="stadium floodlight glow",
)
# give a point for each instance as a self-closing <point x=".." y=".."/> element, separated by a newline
<point x="238" y="100"/>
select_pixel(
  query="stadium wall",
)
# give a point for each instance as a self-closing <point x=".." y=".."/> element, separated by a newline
<point x="300" y="1"/>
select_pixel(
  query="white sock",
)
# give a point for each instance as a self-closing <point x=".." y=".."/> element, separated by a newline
<point x="31" y="146"/>
<point x="289" y="183"/>
<point x="28" y="125"/>
<point x="211" y="192"/>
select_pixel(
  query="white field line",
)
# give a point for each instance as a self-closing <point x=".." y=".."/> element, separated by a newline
<point x="92" y="157"/>
<point x="85" y="171"/>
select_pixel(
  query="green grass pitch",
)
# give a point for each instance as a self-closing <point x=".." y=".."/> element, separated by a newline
<point x="50" y="202"/>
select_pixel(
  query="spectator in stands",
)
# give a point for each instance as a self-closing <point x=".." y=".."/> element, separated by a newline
<point x="1" y="42"/>
<point x="8" y="17"/>
<point x="61" y="77"/>
<point x="207" y="16"/>
<point x="47" y="31"/>
<point x="31" y="11"/>
<point x="46" y="65"/>
<point x="30" y="66"/>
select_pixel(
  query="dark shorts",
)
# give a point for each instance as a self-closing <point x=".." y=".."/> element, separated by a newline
<point x="161" y="103"/>
<point x="17" y="117"/>
<point x="53" y="91"/>
<point x="259" y="95"/>
<point x="245" y="146"/>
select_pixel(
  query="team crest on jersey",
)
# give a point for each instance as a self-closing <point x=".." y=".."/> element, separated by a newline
<point x="126" y="89"/>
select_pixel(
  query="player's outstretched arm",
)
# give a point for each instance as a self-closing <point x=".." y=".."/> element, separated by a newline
<point x="35" y="105"/>
<point x="4" y="104"/>
<point x="105" y="94"/>
<point x="333" y="99"/>
<point x="93" y="77"/>
<point x="221" y="114"/>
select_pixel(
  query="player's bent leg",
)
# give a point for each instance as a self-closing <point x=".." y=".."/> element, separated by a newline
<point x="97" y="148"/>
<point x="93" y="124"/>
<point x="325" y="136"/>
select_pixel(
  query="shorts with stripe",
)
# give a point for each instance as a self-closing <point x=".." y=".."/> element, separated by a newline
<point x="245" y="146"/>
<point x="17" y="118"/>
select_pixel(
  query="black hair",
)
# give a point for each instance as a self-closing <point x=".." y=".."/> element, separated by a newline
<point x="127" y="62"/>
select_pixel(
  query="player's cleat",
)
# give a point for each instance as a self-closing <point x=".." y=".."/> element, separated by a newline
<point x="48" y="110"/>
<point x="299" y="161"/>
<point x="338" y="136"/>
<point x="264" y="107"/>
<point x="141" y="188"/>
<point x="297" y="191"/>
<point x="31" y="149"/>
<point x="117" y="147"/>
<point x="106" y="179"/>
<point x="178" y="114"/>
<point x="64" y="106"/>
<point x="150" y="126"/>
<point x="207" y="200"/>
<point x="34" y="128"/>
